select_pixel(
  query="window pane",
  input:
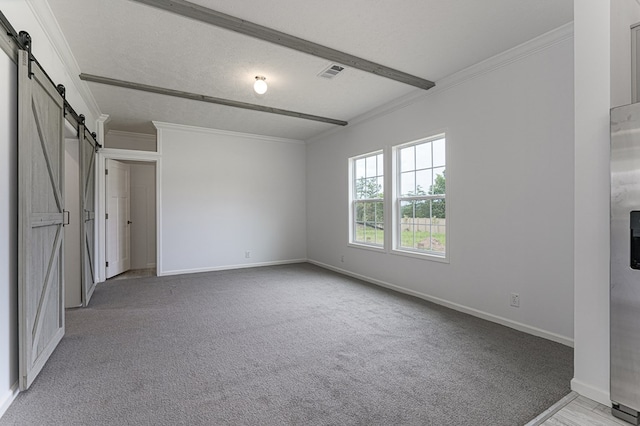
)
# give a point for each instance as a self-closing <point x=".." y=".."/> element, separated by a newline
<point x="422" y="210"/>
<point x="372" y="190"/>
<point x="423" y="182"/>
<point x="359" y="169"/>
<point x="407" y="184"/>
<point x="439" y="236"/>
<point x="439" y="158"/>
<point x="367" y="228"/>
<point x="370" y="212"/>
<point x="423" y="156"/>
<point x="407" y="237"/>
<point x="360" y="234"/>
<point x="368" y="216"/>
<point x="422" y="222"/>
<point x="379" y="236"/>
<point x="406" y="211"/>
<point x="361" y="188"/>
<point x="439" y="181"/>
<point x="406" y="224"/>
<point x="371" y="166"/>
<point x="438" y="208"/>
<point x="379" y="213"/>
<point x="358" y="212"/>
<point x="407" y="159"/>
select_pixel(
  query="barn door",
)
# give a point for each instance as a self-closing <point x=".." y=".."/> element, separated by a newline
<point x="40" y="219"/>
<point x="88" y="212"/>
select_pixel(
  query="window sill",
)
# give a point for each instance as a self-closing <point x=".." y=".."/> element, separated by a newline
<point x="422" y="256"/>
<point x="377" y="249"/>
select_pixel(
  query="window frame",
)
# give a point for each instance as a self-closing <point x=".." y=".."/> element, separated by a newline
<point x="353" y="200"/>
<point x="398" y="199"/>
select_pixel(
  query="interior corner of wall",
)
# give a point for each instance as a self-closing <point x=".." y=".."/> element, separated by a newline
<point x="590" y="391"/>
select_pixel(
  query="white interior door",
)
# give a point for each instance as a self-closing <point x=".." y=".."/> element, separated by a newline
<point x="40" y="219"/>
<point x="87" y="212"/>
<point x="118" y="220"/>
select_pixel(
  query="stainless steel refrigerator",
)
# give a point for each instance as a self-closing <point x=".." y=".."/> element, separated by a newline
<point x="625" y="262"/>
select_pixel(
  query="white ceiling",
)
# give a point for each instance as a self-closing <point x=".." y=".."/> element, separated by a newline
<point x="428" y="38"/>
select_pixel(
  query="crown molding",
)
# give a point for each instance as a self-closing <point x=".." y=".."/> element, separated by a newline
<point x="515" y="54"/>
<point x="49" y="24"/>
<point x="182" y="127"/>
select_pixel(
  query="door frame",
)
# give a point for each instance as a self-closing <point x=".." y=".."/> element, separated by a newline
<point x="124" y="155"/>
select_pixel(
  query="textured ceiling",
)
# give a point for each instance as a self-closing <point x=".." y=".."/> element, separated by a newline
<point x="428" y="38"/>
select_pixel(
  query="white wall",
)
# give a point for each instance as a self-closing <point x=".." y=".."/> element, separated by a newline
<point x="226" y="193"/>
<point x="8" y="232"/>
<point x="602" y="80"/>
<point x="509" y="190"/>
<point x="624" y="14"/>
<point x="127" y="140"/>
<point x="143" y="215"/>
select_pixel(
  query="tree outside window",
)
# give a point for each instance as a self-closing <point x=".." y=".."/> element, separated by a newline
<point x="421" y="201"/>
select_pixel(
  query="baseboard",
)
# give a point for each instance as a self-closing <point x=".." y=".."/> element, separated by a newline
<point x="599" y="395"/>
<point x="455" y="306"/>
<point x="228" y="267"/>
<point x="8" y="398"/>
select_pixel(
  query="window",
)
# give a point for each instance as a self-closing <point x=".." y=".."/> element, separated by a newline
<point x="420" y="201"/>
<point x="367" y="200"/>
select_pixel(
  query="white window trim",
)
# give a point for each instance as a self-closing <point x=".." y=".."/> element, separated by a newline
<point x="396" y="249"/>
<point x="380" y="248"/>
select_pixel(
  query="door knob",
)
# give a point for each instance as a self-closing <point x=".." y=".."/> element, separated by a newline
<point x="129" y="222"/>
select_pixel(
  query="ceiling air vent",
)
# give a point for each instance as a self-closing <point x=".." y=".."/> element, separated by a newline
<point x="332" y="71"/>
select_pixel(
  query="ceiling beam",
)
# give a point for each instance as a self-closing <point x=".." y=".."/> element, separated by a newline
<point x="205" y="98"/>
<point x="222" y="20"/>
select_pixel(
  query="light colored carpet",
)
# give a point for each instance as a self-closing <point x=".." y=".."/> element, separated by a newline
<point x="287" y="345"/>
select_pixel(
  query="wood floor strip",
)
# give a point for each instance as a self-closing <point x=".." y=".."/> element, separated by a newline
<point x="546" y="415"/>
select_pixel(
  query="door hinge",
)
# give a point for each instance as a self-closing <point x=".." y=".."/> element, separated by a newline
<point x="106" y="216"/>
<point x="107" y="264"/>
<point x="106" y="171"/>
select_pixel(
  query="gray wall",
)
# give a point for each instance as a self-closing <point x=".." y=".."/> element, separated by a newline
<point x="509" y="190"/>
<point x="224" y="194"/>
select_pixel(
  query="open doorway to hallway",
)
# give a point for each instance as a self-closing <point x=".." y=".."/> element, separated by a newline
<point x="130" y="219"/>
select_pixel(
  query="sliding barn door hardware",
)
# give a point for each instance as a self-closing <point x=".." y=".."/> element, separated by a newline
<point x="63" y="92"/>
<point x="25" y="40"/>
<point x="80" y="120"/>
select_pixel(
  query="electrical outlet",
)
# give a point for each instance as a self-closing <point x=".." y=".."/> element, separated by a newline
<point x="247" y="254"/>
<point x="342" y="258"/>
<point x="515" y="300"/>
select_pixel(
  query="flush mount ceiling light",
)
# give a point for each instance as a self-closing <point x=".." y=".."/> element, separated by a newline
<point x="260" y="86"/>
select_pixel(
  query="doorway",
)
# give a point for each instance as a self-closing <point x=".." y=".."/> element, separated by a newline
<point x="129" y="222"/>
